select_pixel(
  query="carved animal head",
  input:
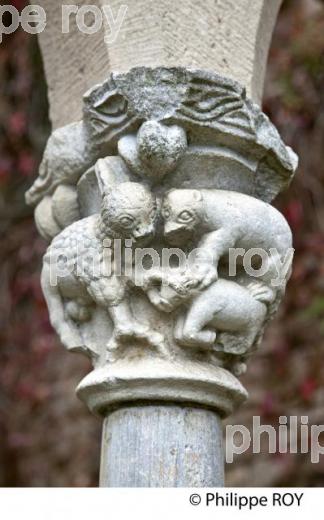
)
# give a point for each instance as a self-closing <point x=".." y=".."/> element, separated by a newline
<point x="182" y="213"/>
<point x="129" y="210"/>
<point x="172" y="288"/>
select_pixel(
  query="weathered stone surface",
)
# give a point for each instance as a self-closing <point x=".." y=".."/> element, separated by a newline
<point x="199" y="122"/>
<point x="165" y="162"/>
<point x="44" y="219"/>
<point x="65" y="205"/>
<point x="162" y="446"/>
<point x="155" y="379"/>
<point x="164" y="158"/>
<point x="231" y="37"/>
<point x="67" y="155"/>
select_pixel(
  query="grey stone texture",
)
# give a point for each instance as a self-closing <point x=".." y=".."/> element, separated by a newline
<point x="164" y="158"/>
<point x="162" y="446"/>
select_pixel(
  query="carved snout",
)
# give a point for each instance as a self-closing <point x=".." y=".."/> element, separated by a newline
<point x="143" y="232"/>
<point x="174" y="231"/>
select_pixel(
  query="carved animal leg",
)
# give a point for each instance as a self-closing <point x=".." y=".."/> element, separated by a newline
<point x="193" y="333"/>
<point x="128" y="329"/>
<point x="66" y="329"/>
<point x="154" y="296"/>
<point x="106" y="292"/>
<point x="241" y="342"/>
<point x="193" y="337"/>
<point x="178" y="327"/>
<point x="261" y="292"/>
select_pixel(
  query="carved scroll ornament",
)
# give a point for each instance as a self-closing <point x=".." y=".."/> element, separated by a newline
<point x="173" y="164"/>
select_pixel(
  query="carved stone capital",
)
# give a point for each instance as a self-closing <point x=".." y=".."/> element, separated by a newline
<point x="166" y="259"/>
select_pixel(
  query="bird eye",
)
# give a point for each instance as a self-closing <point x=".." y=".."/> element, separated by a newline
<point x="166" y="214"/>
<point x="127" y="221"/>
<point x="185" y="216"/>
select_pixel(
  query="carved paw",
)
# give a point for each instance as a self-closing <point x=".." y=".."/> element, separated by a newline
<point x="204" y="338"/>
<point x="234" y="364"/>
<point x="151" y="278"/>
<point x="78" y="312"/>
<point x="70" y="338"/>
<point x="261" y="292"/>
<point x="127" y="331"/>
<point x="157" y="341"/>
<point x="204" y="275"/>
<point x="155" y="298"/>
<point x="152" y="338"/>
<point x="239" y="368"/>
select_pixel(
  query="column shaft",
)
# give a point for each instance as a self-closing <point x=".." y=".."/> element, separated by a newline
<point x="162" y="446"/>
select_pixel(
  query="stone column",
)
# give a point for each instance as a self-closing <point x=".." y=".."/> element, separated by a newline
<point x="159" y="160"/>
